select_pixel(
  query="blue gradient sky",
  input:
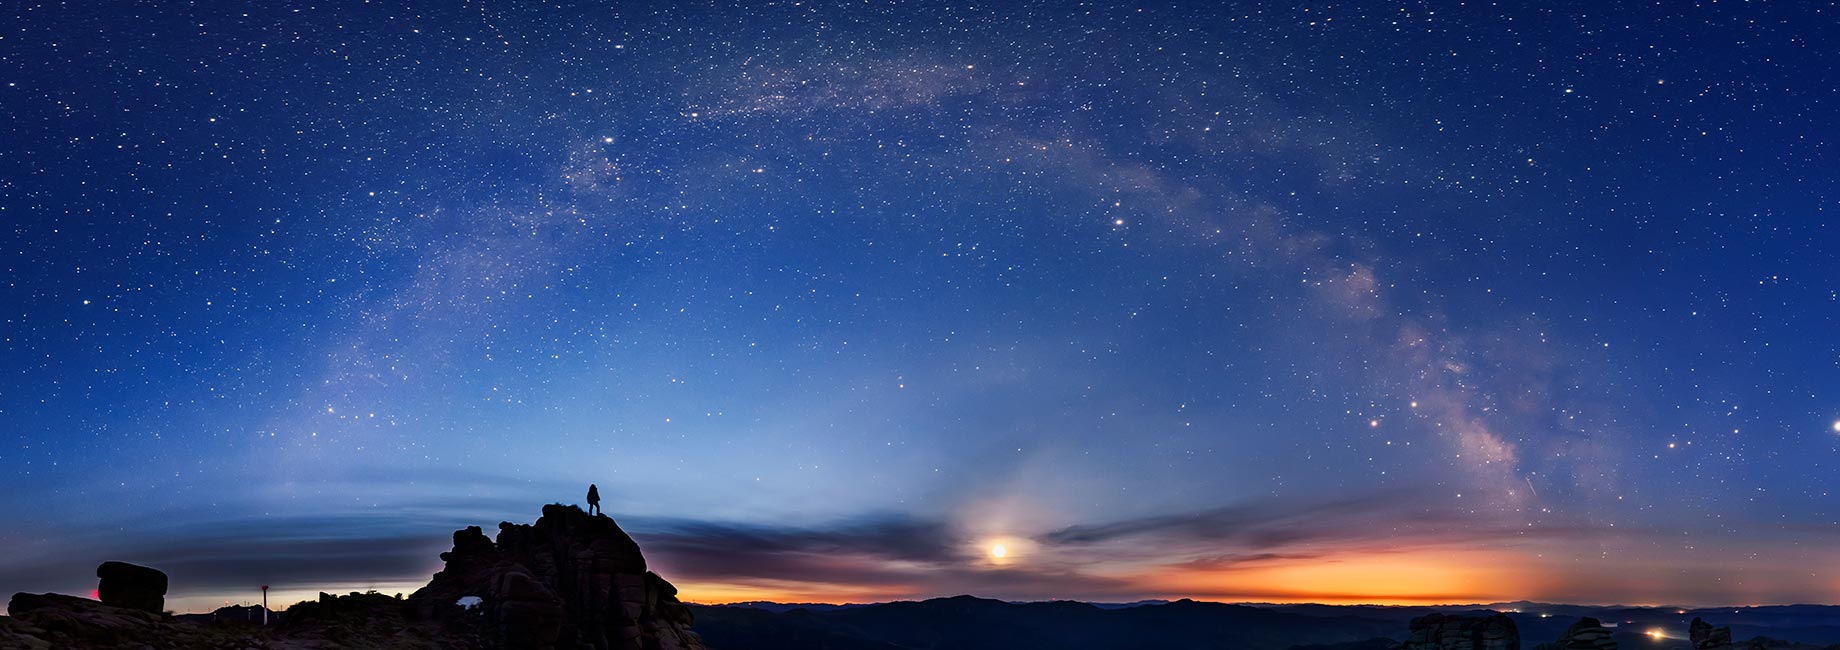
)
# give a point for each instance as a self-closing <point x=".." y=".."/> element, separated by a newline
<point x="1397" y="303"/>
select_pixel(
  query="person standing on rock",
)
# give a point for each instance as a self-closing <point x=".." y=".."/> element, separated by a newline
<point x="594" y="500"/>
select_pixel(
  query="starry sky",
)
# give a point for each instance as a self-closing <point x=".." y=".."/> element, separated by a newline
<point x="1401" y="302"/>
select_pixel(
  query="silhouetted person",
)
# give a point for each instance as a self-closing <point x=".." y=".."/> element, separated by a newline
<point x="594" y="499"/>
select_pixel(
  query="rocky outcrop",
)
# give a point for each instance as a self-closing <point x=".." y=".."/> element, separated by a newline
<point x="132" y="586"/>
<point x="1707" y="637"/>
<point x="571" y="580"/>
<point x="1453" y="632"/>
<point x="1587" y="634"/>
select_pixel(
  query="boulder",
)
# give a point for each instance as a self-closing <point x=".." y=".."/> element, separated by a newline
<point x="132" y="586"/>
<point x="1587" y="634"/>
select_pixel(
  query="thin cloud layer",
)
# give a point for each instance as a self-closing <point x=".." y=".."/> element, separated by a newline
<point x="1249" y="548"/>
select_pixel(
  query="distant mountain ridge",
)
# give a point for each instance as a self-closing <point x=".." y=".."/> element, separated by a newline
<point x="770" y="606"/>
<point x="778" y="607"/>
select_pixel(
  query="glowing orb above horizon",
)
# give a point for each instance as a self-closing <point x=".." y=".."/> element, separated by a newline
<point x="997" y="551"/>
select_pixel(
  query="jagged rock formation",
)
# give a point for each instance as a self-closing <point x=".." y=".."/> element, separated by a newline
<point x="1707" y="637"/>
<point x="1452" y="632"/>
<point x="570" y="581"/>
<point x="132" y="586"/>
<point x="1587" y="634"/>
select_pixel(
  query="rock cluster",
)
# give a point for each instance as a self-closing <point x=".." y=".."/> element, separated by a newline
<point x="1453" y="632"/>
<point x="1587" y="634"/>
<point x="572" y="580"/>
<point x="355" y="622"/>
<point x="132" y="586"/>
<point x="1707" y="637"/>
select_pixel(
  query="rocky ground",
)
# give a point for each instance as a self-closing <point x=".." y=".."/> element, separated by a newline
<point x="359" y="622"/>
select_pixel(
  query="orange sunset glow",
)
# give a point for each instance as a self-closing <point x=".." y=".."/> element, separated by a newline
<point x="1407" y="578"/>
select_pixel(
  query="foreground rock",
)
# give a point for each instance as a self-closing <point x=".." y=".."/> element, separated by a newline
<point x="1452" y="632"/>
<point x="59" y="621"/>
<point x="1587" y="634"/>
<point x="570" y="581"/>
<point x="354" y="622"/>
<point x="132" y="586"/>
<point x="1707" y="637"/>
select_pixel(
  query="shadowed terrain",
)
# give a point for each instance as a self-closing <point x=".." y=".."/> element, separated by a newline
<point x="972" y="623"/>
<point x="571" y="580"/>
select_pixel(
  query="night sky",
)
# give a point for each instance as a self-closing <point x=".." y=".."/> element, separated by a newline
<point x="1371" y="302"/>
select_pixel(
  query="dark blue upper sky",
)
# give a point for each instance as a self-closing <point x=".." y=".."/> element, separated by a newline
<point x="1387" y="302"/>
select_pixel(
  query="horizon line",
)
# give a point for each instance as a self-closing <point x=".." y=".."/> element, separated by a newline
<point x="1265" y="603"/>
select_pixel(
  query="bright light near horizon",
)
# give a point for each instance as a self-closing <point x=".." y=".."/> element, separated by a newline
<point x="1655" y="634"/>
<point x="1001" y="550"/>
